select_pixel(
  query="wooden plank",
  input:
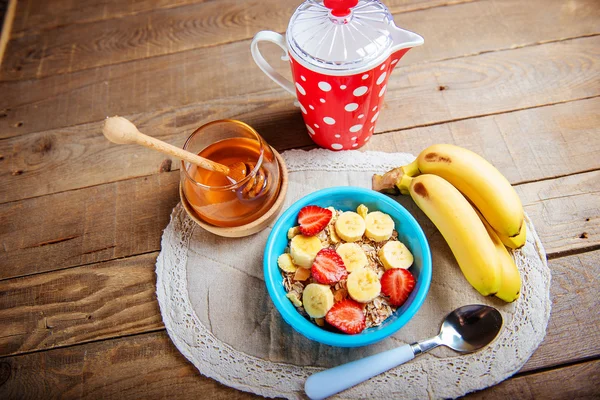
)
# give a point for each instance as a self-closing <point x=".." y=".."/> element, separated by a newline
<point x="149" y="366"/>
<point x="426" y="93"/>
<point x="561" y="139"/>
<point x="572" y="333"/>
<point x="78" y="305"/>
<point x="34" y="158"/>
<point x="105" y="300"/>
<point x="126" y="218"/>
<point x="156" y="32"/>
<point x="578" y="381"/>
<point x="75" y="47"/>
<point x="146" y="366"/>
<point x="84" y="226"/>
<point x="566" y="211"/>
<point x="525" y="146"/>
<point x="34" y="16"/>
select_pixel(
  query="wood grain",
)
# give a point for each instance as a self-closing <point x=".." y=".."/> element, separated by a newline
<point x="126" y="218"/>
<point x="34" y="16"/>
<point x="148" y="365"/>
<point x="425" y="93"/>
<point x="561" y="139"/>
<point x="78" y="305"/>
<point x="578" y="381"/>
<point x="111" y="299"/>
<point x="154" y="33"/>
<point x="144" y="366"/>
<point x="525" y="146"/>
<point x="571" y="332"/>
<point x="565" y="211"/>
<point x="87" y="225"/>
<point x="81" y="220"/>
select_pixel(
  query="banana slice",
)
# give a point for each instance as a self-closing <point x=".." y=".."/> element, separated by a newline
<point x="363" y="285"/>
<point x="304" y="249"/>
<point x="379" y="226"/>
<point x="395" y="254"/>
<point x="293" y="231"/>
<point x="286" y="263"/>
<point x="293" y="296"/>
<point x="333" y="236"/>
<point x="317" y="299"/>
<point x="354" y="257"/>
<point x="350" y="226"/>
<point x="362" y="210"/>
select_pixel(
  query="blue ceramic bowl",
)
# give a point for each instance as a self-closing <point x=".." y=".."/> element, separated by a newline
<point x="348" y="198"/>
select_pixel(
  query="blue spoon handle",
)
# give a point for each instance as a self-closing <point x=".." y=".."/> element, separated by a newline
<point x="331" y="381"/>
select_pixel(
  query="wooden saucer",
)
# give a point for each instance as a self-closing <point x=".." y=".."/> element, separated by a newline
<point x="254" y="226"/>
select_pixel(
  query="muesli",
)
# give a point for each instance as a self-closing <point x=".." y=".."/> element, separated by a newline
<point x="346" y="270"/>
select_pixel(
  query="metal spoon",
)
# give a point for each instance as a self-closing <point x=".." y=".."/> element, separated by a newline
<point x="122" y="131"/>
<point x="466" y="329"/>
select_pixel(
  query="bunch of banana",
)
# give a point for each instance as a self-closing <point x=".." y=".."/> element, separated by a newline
<point x="473" y="206"/>
<point x="476" y="179"/>
<point x="458" y="222"/>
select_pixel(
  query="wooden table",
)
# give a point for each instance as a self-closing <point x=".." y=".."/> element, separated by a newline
<point x="81" y="219"/>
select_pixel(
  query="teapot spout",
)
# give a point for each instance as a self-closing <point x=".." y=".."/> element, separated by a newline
<point x="404" y="39"/>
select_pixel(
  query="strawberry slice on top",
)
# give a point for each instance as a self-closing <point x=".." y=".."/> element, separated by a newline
<point x="313" y="219"/>
<point x="348" y="316"/>
<point x="397" y="283"/>
<point x="328" y="267"/>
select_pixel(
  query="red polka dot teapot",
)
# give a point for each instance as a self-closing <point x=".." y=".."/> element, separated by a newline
<point x="341" y="53"/>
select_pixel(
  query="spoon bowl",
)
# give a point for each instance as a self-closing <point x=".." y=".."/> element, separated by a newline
<point x="465" y="330"/>
<point x="470" y="328"/>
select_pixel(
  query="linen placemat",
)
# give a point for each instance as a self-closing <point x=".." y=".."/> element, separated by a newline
<point x="217" y="311"/>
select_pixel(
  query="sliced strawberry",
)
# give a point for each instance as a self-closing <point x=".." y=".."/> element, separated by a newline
<point x="348" y="316"/>
<point x="313" y="219"/>
<point x="397" y="283"/>
<point x="328" y="267"/>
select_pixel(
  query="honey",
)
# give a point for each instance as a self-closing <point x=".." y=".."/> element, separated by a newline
<point x="217" y="198"/>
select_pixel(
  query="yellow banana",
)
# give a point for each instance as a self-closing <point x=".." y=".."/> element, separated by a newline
<point x="379" y="226"/>
<point x="478" y="180"/>
<point x="458" y="223"/>
<point x="510" y="287"/>
<point x="304" y="249"/>
<point x="350" y="226"/>
<point x="515" y="242"/>
<point x="363" y="285"/>
<point x="317" y="299"/>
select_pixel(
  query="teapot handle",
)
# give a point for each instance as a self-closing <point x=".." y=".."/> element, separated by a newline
<point x="276" y="38"/>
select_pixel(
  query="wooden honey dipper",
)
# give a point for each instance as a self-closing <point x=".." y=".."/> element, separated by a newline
<point x="122" y="131"/>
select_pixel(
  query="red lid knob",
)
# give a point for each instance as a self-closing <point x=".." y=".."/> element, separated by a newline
<point x="340" y="8"/>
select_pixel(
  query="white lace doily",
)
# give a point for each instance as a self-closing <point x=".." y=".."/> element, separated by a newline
<point x="275" y="370"/>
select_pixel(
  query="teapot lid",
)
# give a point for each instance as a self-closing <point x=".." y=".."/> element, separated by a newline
<point x="340" y="34"/>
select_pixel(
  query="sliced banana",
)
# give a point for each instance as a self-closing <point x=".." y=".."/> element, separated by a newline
<point x="333" y="236"/>
<point x="304" y="249"/>
<point x="350" y="226"/>
<point x="317" y="299"/>
<point x="353" y="255"/>
<point x="293" y="296"/>
<point x="379" y="226"/>
<point x="395" y="254"/>
<point x="362" y="210"/>
<point x="286" y="263"/>
<point x="363" y="285"/>
<point x="293" y="231"/>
